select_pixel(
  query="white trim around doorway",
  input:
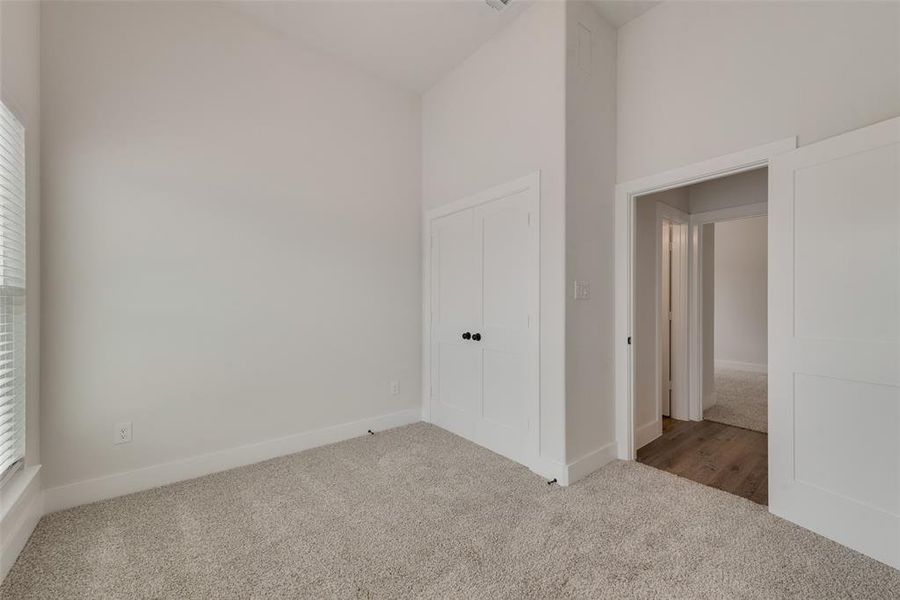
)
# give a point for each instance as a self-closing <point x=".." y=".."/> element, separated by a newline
<point x="626" y="194"/>
<point x="680" y="255"/>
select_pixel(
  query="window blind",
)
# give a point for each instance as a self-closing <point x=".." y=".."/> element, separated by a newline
<point x="12" y="291"/>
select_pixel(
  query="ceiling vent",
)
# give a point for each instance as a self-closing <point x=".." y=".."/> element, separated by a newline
<point x="498" y="5"/>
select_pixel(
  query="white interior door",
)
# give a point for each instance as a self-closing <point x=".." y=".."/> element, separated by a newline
<point x="508" y="326"/>
<point x="484" y="320"/>
<point x="834" y="328"/>
<point x="456" y="364"/>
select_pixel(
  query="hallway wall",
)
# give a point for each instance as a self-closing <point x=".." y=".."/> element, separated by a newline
<point x="741" y="293"/>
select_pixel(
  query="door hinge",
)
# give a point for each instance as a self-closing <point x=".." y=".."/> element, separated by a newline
<point x="629" y="340"/>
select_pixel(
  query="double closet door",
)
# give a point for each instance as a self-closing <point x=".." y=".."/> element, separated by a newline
<point x="484" y="320"/>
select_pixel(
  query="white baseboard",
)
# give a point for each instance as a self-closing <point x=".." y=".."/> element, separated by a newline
<point x="21" y="507"/>
<point x="549" y="469"/>
<point x="742" y="366"/>
<point x="645" y="434"/>
<point x="589" y="463"/>
<point x="119" y="484"/>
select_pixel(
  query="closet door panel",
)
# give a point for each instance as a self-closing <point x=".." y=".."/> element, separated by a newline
<point x="503" y="389"/>
<point x="455" y="309"/>
<point x="505" y="227"/>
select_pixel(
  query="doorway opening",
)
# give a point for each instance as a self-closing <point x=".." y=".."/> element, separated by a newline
<point x="831" y="308"/>
<point x="700" y="332"/>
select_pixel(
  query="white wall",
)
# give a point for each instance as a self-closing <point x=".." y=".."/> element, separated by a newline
<point x="20" y="89"/>
<point x="751" y="187"/>
<point x="232" y="248"/>
<point x="702" y="79"/>
<point x="779" y="69"/>
<point x="498" y="116"/>
<point x="741" y="291"/>
<point x="646" y="358"/>
<point x="679" y="198"/>
<point x="590" y="183"/>
<point x="741" y="326"/>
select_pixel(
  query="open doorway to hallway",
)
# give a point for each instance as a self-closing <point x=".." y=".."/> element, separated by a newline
<point x="700" y="280"/>
<point x="738" y="340"/>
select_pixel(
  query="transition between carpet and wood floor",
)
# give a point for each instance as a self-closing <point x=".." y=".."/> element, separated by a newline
<point x="417" y="512"/>
<point x="728" y="458"/>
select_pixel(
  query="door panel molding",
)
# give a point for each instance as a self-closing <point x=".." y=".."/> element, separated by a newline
<point x="834" y="380"/>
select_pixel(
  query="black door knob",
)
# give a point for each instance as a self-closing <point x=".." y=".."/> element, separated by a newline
<point x="467" y="336"/>
<point x="476" y="337"/>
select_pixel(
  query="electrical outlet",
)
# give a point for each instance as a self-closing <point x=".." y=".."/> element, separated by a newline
<point x="122" y="433"/>
<point x="395" y="388"/>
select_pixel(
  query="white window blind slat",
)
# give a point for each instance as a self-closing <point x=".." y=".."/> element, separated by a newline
<point x="10" y="212"/>
<point x="12" y="291"/>
<point x="11" y="187"/>
<point x="10" y="165"/>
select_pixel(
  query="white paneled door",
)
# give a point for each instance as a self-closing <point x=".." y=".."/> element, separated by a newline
<point x="484" y="278"/>
<point x="834" y="338"/>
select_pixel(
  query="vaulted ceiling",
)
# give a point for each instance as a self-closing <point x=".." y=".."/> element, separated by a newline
<point x="412" y="43"/>
<point x="619" y="12"/>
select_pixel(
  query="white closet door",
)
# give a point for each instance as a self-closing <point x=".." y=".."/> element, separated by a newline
<point x="455" y="310"/>
<point x="509" y="233"/>
<point x="484" y="329"/>
<point x="834" y="339"/>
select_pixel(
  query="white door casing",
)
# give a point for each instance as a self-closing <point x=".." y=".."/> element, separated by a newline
<point x="482" y="266"/>
<point x="679" y="227"/>
<point x="626" y="195"/>
<point x="834" y="339"/>
<point x="664" y="320"/>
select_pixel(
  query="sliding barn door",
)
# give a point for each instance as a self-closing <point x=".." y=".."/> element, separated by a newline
<point x="484" y="322"/>
<point x="834" y="327"/>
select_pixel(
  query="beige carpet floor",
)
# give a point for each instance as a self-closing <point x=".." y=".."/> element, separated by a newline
<point x="741" y="400"/>
<point x="416" y="512"/>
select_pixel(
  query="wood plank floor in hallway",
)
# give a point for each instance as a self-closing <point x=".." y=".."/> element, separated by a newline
<point x="729" y="458"/>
